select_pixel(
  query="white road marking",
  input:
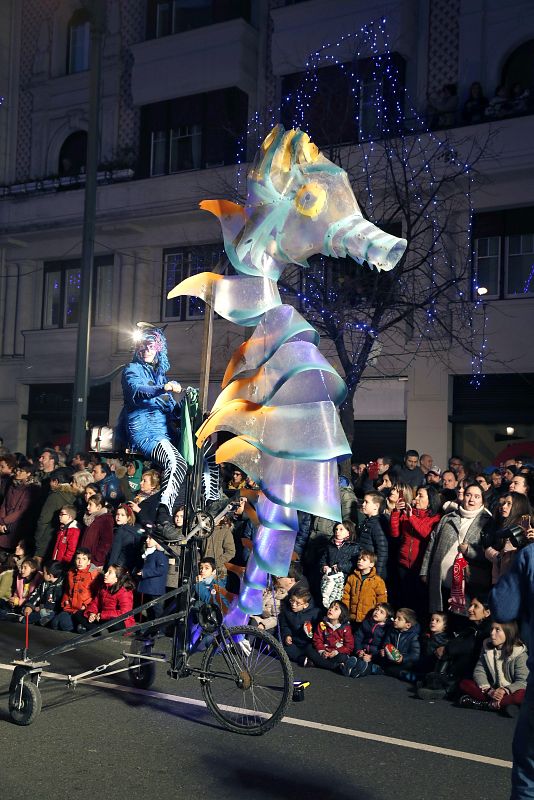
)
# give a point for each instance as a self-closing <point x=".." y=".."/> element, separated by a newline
<point x="303" y="723"/>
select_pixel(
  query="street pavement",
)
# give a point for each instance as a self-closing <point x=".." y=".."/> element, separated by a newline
<point x="367" y="739"/>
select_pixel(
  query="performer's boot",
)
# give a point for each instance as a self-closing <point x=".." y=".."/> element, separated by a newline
<point x="165" y="526"/>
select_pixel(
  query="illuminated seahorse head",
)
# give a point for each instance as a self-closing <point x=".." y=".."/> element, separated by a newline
<point x="298" y="204"/>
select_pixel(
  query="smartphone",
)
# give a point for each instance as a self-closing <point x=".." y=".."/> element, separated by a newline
<point x="401" y="494"/>
<point x="525" y="522"/>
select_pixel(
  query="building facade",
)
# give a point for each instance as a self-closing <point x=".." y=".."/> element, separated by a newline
<point x="181" y="82"/>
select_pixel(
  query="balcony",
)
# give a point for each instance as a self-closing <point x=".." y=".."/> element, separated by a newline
<point x="304" y="28"/>
<point x="195" y="61"/>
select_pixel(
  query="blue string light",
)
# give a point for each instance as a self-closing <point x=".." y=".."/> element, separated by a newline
<point x="398" y="152"/>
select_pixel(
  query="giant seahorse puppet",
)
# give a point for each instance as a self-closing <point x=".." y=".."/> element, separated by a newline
<point x="279" y="393"/>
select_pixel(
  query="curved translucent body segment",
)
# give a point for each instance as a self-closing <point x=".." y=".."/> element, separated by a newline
<point x="277" y="516"/>
<point x="235" y="615"/>
<point x="273" y="550"/>
<point x="231" y="216"/>
<point x="295" y="371"/>
<point x="255" y="576"/>
<point x="250" y="600"/>
<point x="309" y="431"/>
<point x="278" y="325"/>
<point x="314" y="484"/>
<point x="237" y="298"/>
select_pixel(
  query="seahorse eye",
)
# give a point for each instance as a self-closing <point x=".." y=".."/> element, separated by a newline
<point x="310" y="199"/>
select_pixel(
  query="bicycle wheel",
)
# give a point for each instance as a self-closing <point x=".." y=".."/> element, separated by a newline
<point x="25" y="705"/>
<point x="247" y="680"/>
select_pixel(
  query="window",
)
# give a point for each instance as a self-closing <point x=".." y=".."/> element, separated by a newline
<point x="179" y="264"/>
<point x="62" y="283"/>
<point x="503" y="253"/>
<point x="165" y="17"/>
<point x="73" y="154"/>
<point x="488" y="265"/>
<point x="192" y="132"/>
<point x="520" y="265"/>
<point x="346" y="103"/>
<point x="79" y="42"/>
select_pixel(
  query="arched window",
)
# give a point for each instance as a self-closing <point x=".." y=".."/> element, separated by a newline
<point x="79" y="39"/>
<point x="519" y="67"/>
<point x="73" y="154"/>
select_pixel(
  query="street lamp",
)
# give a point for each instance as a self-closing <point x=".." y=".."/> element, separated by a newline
<point x="96" y="9"/>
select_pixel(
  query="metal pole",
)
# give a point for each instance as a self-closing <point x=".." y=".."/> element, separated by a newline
<point x="81" y="380"/>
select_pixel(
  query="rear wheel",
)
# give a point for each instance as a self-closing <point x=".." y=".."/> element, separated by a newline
<point x="24" y="703"/>
<point x="247" y="680"/>
<point x="142" y="673"/>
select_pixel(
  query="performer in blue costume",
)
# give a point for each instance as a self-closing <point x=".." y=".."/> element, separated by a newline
<point x="149" y="407"/>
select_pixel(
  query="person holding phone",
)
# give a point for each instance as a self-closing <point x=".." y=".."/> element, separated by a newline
<point x="513" y="523"/>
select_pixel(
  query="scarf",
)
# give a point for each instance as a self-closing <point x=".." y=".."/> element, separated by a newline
<point x="457" y="599"/>
<point x="89" y="518"/>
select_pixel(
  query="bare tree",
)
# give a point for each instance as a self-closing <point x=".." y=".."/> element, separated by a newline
<point x="417" y="186"/>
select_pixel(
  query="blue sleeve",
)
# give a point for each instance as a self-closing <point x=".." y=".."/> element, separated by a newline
<point x="135" y="387"/>
<point x="413" y="655"/>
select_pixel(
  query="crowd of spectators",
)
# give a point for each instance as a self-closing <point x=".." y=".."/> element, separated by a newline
<point x="400" y="587"/>
<point x="445" y="108"/>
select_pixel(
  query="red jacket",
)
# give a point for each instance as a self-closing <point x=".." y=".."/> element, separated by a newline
<point x="66" y="542"/>
<point x="98" y="537"/>
<point x="413" y="530"/>
<point x="328" y="638"/>
<point x="79" y="589"/>
<point x="110" y="605"/>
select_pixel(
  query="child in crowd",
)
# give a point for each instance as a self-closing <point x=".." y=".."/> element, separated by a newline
<point x="271" y="604"/>
<point x="127" y="539"/>
<point x="67" y="536"/>
<point x="333" y="641"/>
<point x="44" y="602"/>
<point x="98" y="535"/>
<point x="500" y="676"/>
<point x="207" y="581"/>
<point x="22" y="551"/>
<point x="371" y="534"/>
<point x="368" y="641"/>
<point x="460" y="654"/>
<point x="364" y="588"/>
<point x="336" y="560"/>
<point x="153" y="576"/>
<point x="298" y="616"/>
<point x="436" y="637"/>
<point x="7" y="576"/>
<point x="26" y="580"/>
<point x="401" y="650"/>
<point x="112" y="600"/>
<point x="78" y="590"/>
